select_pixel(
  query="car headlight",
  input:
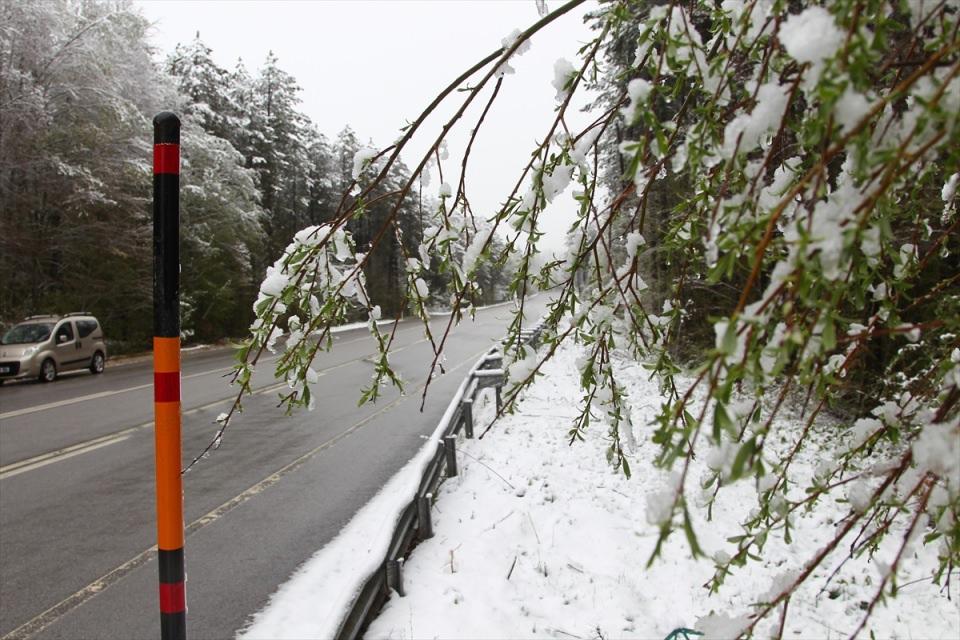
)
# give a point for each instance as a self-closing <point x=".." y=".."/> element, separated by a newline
<point x="29" y="351"/>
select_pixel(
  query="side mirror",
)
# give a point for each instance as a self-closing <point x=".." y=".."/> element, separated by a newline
<point x="61" y="338"/>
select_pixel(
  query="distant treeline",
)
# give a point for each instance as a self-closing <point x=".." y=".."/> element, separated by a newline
<point x="79" y="86"/>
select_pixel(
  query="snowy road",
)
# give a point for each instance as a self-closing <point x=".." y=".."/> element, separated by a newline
<point x="76" y="483"/>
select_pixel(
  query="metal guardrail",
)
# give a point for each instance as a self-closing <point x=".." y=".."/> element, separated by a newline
<point x="414" y="523"/>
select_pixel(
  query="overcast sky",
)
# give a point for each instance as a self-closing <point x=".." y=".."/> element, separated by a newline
<point x="374" y="65"/>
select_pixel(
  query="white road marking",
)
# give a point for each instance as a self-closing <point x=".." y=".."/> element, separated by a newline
<point x="90" y="445"/>
<point x="106" y="394"/>
<point x="63" y="403"/>
<point x="63" y="454"/>
<point x="57" y="611"/>
<point x="43" y="460"/>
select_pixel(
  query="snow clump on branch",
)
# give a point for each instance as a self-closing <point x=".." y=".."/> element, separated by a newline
<point x="811" y="36"/>
<point x="563" y="74"/>
<point x="505" y="68"/>
<point x="638" y="90"/>
<point x="361" y="159"/>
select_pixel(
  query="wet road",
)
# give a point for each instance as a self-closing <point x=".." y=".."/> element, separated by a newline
<point x="77" y="519"/>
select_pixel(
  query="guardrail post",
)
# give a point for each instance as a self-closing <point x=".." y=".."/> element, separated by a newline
<point x="468" y="417"/>
<point x="450" y="449"/>
<point x="395" y="576"/>
<point x="389" y="574"/>
<point x="424" y="525"/>
<point x="166" y="376"/>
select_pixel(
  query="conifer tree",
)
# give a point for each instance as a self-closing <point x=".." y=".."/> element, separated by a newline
<point x="76" y="79"/>
<point x="279" y="138"/>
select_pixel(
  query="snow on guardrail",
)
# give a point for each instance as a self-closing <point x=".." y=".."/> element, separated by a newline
<point x="346" y="582"/>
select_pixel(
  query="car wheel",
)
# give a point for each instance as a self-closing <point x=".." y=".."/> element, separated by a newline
<point x="48" y="371"/>
<point x="96" y="364"/>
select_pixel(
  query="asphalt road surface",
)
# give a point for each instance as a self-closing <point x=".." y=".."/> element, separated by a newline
<point x="77" y="515"/>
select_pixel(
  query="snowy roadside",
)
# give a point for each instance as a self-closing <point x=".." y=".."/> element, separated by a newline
<point x="536" y="538"/>
<point x="313" y="602"/>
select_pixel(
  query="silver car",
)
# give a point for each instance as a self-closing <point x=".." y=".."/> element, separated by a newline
<point x="43" y="346"/>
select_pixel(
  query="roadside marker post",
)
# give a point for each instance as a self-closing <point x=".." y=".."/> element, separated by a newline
<point x="166" y="374"/>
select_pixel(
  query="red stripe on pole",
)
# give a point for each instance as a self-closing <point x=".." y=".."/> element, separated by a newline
<point x="166" y="159"/>
<point x="173" y="597"/>
<point x="166" y="386"/>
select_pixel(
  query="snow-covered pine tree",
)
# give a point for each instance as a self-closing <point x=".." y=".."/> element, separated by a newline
<point x="279" y="138"/>
<point x="323" y="194"/>
<point x="208" y="87"/>
<point x="222" y="239"/>
<point x="76" y="79"/>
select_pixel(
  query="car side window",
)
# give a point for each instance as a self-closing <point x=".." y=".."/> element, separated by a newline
<point x="86" y="327"/>
<point x="66" y="329"/>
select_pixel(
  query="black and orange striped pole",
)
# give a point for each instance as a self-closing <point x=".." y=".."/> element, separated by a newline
<point x="166" y="374"/>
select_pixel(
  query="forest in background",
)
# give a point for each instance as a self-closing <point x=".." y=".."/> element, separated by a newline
<point x="79" y="86"/>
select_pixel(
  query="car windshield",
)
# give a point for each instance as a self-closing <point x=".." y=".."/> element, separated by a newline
<point x="27" y="333"/>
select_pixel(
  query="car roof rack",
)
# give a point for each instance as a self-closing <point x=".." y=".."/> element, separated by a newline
<point x="42" y="315"/>
<point x="76" y="313"/>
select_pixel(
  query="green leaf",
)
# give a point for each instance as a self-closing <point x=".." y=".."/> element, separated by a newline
<point x="829" y="335"/>
<point x="691" y="536"/>
<point x="745" y="453"/>
<point x="930" y="537"/>
<point x="721" y="422"/>
<point x="665" y="532"/>
<point x="724" y="390"/>
<point x="729" y="343"/>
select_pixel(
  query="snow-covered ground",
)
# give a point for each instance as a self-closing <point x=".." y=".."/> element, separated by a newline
<point x="312" y="603"/>
<point x="536" y="538"/>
